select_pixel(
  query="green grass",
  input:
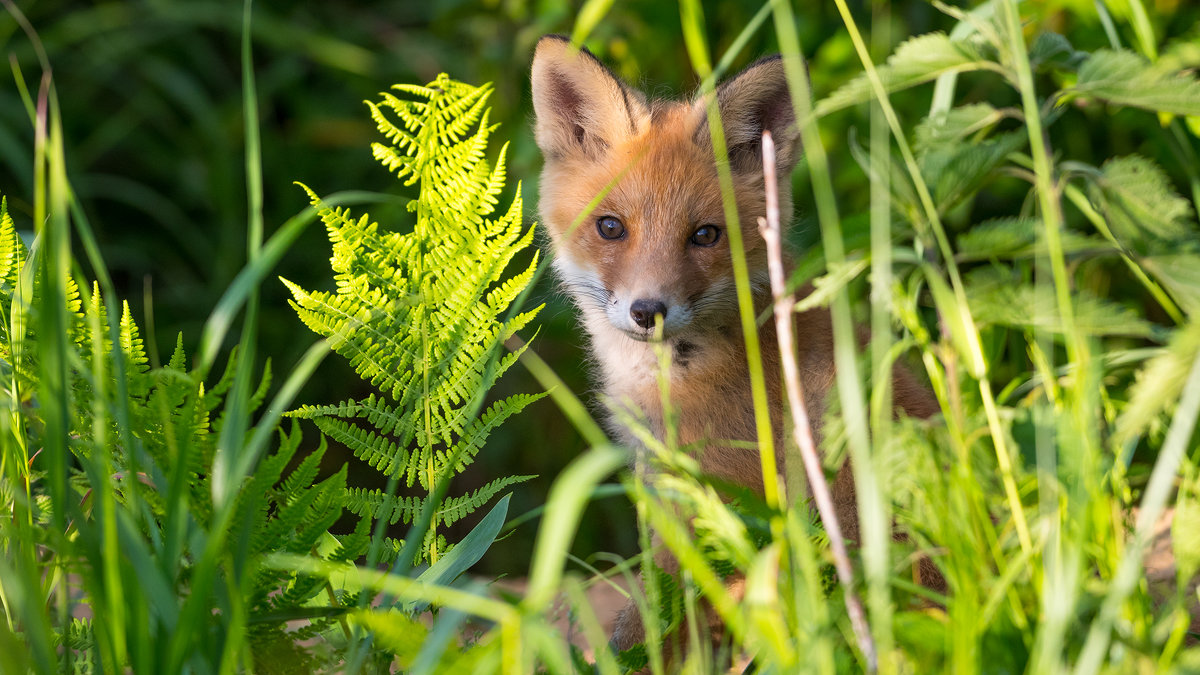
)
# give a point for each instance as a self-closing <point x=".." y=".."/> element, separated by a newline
<point x="1018" y="227"/>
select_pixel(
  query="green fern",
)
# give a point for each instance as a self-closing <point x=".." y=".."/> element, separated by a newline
<point x="159" y="423"/>
<point x="420" y="314"/>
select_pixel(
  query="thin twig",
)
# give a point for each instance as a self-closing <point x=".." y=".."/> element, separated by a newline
<point x="772" y="233"/>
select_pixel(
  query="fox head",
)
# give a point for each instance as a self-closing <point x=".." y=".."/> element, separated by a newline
<point x="630" y="195"/>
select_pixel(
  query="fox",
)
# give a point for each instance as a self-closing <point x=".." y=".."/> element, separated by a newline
<point x="631" y="202"/>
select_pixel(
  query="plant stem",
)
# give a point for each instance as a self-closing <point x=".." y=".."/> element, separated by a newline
<point x="801" y="428"/>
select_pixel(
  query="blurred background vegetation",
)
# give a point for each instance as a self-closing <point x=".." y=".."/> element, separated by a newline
<point x="152" y="112"/>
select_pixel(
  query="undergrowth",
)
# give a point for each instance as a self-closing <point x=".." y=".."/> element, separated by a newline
<point x="165" y="519"/>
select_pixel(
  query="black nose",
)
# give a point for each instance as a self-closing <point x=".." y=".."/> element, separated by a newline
<point x="643" y="312"/>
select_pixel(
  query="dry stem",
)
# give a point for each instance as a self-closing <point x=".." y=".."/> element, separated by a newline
<point x="772" y="233"/>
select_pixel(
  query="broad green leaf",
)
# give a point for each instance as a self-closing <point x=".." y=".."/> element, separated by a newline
<point x="954" y="125"/>
<point x="1019" y="238"/>
<point x="1180" y="274"/>
<point x="997" y="299"/>
<point x="1140" y="204"/>
<point x="1054" y="51"/>
<point x="956" y="171"/>
<point x="1124" y="78"/>
<point x="1158" y="384"/>
<point x="921" y="59"/>
<point x="998" y="237"/>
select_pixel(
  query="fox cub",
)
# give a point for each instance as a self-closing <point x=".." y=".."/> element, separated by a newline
<point x="654" y="249"/>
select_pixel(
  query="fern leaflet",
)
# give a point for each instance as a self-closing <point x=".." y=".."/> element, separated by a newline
<point x="421" y="314"/>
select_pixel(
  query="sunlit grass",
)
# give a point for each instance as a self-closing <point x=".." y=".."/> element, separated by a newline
<point x="1022" y="491"/>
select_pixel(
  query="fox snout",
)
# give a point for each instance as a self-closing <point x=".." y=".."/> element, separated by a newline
<point x="645" y="312"/>
<point x="639" y="315"/>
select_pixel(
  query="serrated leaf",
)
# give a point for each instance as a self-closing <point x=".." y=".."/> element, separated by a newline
<point x="955" y="171"/>
<point x="998" y="237"/>
<point x="996" y="299"/>
<point x="1125" y="78"/>
<point x="1019" y="238"/>
<point x="1180" y="274"/>
<point x="921" y="59"/>
<point x="1055" y="51"/>
<point x="954" y="125"/>
<point x="1140" y="203"/>
<point x="1158" y="384"/>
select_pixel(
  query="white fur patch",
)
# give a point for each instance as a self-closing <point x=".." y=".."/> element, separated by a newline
<point x="593" y="298"/>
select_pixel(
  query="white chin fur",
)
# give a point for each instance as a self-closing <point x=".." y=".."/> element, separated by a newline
<point x="678" y="320"/>
<point x="589" y="293"/>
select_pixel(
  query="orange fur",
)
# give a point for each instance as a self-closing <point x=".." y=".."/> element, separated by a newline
<point x="655" y="160"/>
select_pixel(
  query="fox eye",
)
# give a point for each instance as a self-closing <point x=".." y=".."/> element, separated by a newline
<point x="610" y="227"/>
<point x="706" y="235"/>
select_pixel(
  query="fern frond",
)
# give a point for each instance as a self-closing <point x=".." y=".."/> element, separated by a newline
<point x="12" y="252"/>
<point x="303" y="475"/>
<point x="131" y="341"/>
<point x="264" y="386"/>
<point x="386" y="418"/>
<point x="178" y="360"/>
<point x="92" y="310"/>
<point x="382" y="454"/>
<point x="421" y="313"/>
<point x="453" y="510"/>
<point x="376" y="505"/>
<point x="299" y="522"/>
<point x="258" y="494"/>
<point x="324" y="511"/>
<point x="354" y="545"/>
<point x="226" y="380"/>
<point x="474" y="436"/>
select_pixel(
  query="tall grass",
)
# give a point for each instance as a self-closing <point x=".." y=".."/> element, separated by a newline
<point x="1052" y="382"/>
<point x="1034" y="535"/>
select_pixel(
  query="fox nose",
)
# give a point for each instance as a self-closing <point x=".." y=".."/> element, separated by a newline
<point x="643" y="312"/>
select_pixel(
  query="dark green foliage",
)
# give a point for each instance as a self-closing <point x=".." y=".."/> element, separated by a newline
<point x="633" y="659"/>
<point x="145" y="447"/>
<point x="420" y="313"/>
<point x="147" y="437"/>
<point x="175" y="581"/>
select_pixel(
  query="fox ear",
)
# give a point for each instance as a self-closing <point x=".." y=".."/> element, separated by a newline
<point x="581" y="106"/>
<point x="756" y="100"/>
